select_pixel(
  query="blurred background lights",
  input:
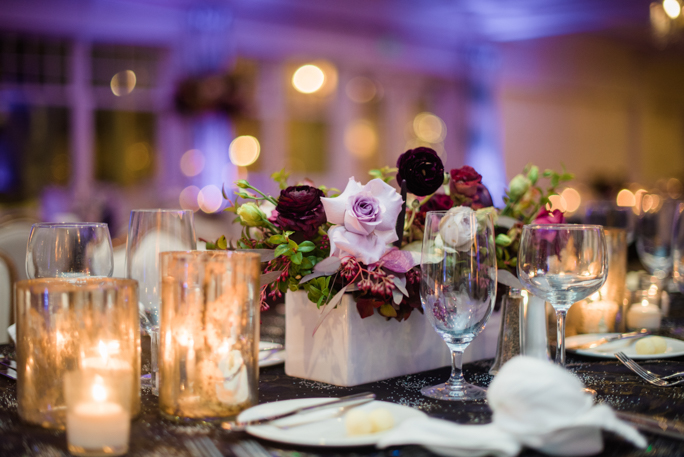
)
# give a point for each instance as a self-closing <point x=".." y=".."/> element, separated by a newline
<point x="188" y="198"/>
<point x="625" y="198"/>
<point x="572" y="199"/>
<point x="674" y="188"/>
<point x="672" y="8"/>
<point x="557" y="202"/>
<point x="192" y="162"/>
<point x="429" y="127"/>
<point x="123" y="83"/>
<point x="210" y="199"/>
<point x="137" y="156"/>
<point x="308" y="79"/>
<point x="361" y="89"/>
<point x="244" y="150"/>
<point x="361" y="139"/>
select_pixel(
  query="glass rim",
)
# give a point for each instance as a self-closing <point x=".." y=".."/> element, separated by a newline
<point x="80" y="284"/>
<point x="214" y="254"/>
<point x="70" y="224"/>
<point x="563" y="226"/>
<point x="162" y="210"/>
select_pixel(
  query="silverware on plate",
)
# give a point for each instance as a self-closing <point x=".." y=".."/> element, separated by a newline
<point x="607" y="339"/>
<point x="648" y="376"/>
<point x="342" y="403"/>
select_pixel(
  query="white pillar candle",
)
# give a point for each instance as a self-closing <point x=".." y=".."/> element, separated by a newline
<point x="97" y="426"/>
<point x="643" y="315"/>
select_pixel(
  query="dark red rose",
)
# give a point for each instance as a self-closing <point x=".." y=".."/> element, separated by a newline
<point x="300" y="209"/>
<point x="464" y="181"/>
<point x="550" y="217"/>
<point x="482" y="198"/>
<point x="438" y="202"/>
<point x="422" y="169"/>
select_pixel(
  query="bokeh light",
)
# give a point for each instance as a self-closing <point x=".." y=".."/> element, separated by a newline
<point x="638" y="196"/>
<point x="361" y="89"/>
<point x="429" y="127"/>
<point x="672" y="8"/>
<point x="137" y="156"/>
<point x="188" y="198"/>
<point x="123" y="83"/>
<point x="210" y="199"/>
<point x="192" y="162"/>
<point x="361" y="139"/>
<point x="625" y="198"/>
<point x="674" y="188"/>
<point x="557" y="202"/>
<point x="244" y="150"/>
<point x="308" y="79"/>
<point x="572" y="198"/>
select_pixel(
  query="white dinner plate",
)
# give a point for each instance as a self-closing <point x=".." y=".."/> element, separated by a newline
<point x="267" y="358"/>
<point x="675" y="348"/>
<point x="328" y="431"/>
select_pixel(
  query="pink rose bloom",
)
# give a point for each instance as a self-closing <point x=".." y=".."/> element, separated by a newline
<point x="365" y="218"/>
<point x="550" y="217"/>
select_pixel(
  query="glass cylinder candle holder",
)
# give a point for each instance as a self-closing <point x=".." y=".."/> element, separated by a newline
<point x="65" y="325"/>
<point x="98" y="414"/>
<point x="209" y="334"/>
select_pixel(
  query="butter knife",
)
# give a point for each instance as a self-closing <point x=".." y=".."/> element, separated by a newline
<point x="607" y="339"/>
<point x="655" y="425"/>
<point x="359" y="399"/>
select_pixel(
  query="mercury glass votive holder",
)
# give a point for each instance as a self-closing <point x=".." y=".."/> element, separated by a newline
<point x="98" y="414"/>
<point x="63" y="325"/>
<point x="208" y="359"/>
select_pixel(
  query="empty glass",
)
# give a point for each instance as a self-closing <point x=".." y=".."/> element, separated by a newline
<point x="678" y="247"/>
<point x="72" y="249"/>
<point x="654" y="234"/>
<point x="458" y="288"/>
<point x="563" y="264"/>
<point x="151" y="232"/>
<point x="608" y="214"/>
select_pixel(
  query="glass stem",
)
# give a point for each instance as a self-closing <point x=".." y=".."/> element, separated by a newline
<point x="456" y="380"/>
<point x="560" y="337"/>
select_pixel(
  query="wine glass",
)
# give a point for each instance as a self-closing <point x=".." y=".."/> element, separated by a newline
<point x="458" y="288"/>
<point x="608" y="214"/>
<point x="678" y="247"/>
<point x="69" y="249"/>
<point x="654" y="234"/>
<point x="563" y="264"/>
<point x="151" y="232"/>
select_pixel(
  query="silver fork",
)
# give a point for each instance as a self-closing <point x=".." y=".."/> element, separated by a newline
<point x="250" y="448"/>
<point x="202" y="447"/>
<point x="648" y="376"/>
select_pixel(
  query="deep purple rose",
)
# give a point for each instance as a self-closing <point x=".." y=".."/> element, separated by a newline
<point x="550" y="217"/>
<point x="464" y="181"/>
<point x="300" y="209"/>
<point x="422" y="169"/>
<point x="438" y="202"/>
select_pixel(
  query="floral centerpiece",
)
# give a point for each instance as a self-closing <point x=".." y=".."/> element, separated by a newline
<point x="366" y="239"/>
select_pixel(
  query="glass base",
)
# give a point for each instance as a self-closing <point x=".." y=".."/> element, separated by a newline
<point x="99" y="452"/>
<point x="151" y="381"/>
<point x="448" y="392"/>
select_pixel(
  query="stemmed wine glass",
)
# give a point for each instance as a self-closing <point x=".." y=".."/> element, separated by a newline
<point x="151" y="232"/>
<point x="458" y="288"/>
<point x="654" y="234"/>
<point x="563" y="264"/>
<point x="69" y="249"/>
<point x="678" y="247"/>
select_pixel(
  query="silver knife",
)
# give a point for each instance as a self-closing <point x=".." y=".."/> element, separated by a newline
<point x="8" y="373"/>
<point x="334" y="403"/>
<point x="655" y="425"/>
<point x="607" y="339"/>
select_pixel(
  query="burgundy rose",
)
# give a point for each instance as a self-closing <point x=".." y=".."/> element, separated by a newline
<point x="422" y="169"/>
<point x="550" y="217"/>
<point x="300" y="209"/>
<point x="465" y="181"/>
<point x="438" y="202"/>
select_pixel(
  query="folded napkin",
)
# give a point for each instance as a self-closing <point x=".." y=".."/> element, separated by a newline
<point x="536" y="404"/>
<point x="12" y="330"/>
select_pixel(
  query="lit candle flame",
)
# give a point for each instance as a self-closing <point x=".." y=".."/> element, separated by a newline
<point x="99" y="392"/>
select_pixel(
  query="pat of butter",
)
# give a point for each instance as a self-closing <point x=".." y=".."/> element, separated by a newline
<point x="651" y="345"/>
<point x="358" y="422"/>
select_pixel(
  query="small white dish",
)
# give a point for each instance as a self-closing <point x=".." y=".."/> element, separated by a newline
<point x="268" y="358"/>
<point x="675" y="348"/>
<point x="327" y="430"/>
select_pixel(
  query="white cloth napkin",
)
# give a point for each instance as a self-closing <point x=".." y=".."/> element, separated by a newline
<point x="536" y="404"/>
<point x="12" y="330"/>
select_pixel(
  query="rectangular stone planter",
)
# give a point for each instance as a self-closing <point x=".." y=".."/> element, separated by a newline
<point x="348" y="351"/>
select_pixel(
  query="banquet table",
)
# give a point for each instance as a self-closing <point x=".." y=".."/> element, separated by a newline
<point x="153" y="436"/>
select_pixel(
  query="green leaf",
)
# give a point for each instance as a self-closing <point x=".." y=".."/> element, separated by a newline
<point x="210" y="246"/>
<point x="277" y="239"/>
<point x="281" y="249"/>
<point x="503" y="240"/>
<point x="296" y="258"/>
<point x="222" y="243"/>
<point x="292" y="244"/>
<point x="388" y="310"/>
<point x="307" y="263"/>
<point x="306" y="246"/>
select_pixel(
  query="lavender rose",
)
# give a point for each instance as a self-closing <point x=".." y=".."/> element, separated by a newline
<point x="300" y="209"/>
<point x="422" y="169"/>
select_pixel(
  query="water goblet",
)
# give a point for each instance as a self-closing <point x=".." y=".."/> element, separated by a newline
<point x="563" y="264"/>
<point x="678" y="247"/>
<point x="654" y="234"/>
<point x="69" y="249"/>
<point x="458" y="288"/>
<point x="151" y="232"/>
